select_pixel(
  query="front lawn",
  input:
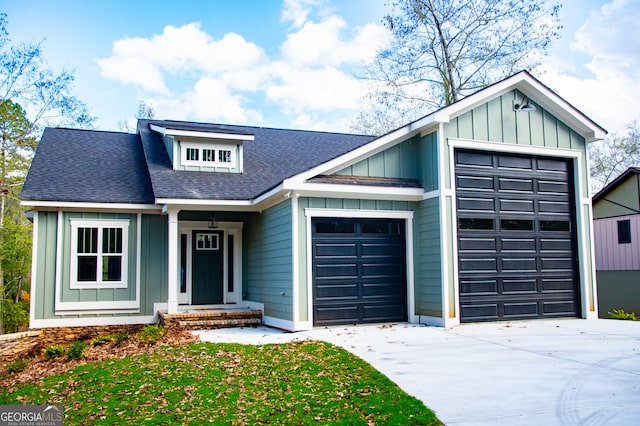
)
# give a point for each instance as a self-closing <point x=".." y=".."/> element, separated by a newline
<point x="294" y="383"/>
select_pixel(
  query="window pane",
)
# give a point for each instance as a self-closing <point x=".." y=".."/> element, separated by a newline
<point x="554" y="225"/>
<point x="375" y="228"/>
<point x="192" y="154"/>
<point x="112" y="240"/>
<point x="224" y="156"/>
<point x="335" y="228"/>
<point x="87" y="240"/>
<point x="87" y="268"/>
<point x="624" y="231"/>
<point x="111" y="268"/>
<point x="208" y="154"/>
<point x="516" y="225"/>
<point x="475" y="223"/>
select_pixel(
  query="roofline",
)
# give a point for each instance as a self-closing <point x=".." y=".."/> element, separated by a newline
<point x="537" y="92"/>
<point x="87" y="205"/>
<point x="614" y="183"/>
<point x="168" y="131"/>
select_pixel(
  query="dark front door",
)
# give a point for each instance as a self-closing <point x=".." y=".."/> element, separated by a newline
<point x="207" y="268"/>
<point x="359" y="271"/>
<point x="516" y="237"/>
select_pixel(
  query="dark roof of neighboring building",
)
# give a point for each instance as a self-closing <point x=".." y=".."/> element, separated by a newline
<point x="73" y="165"/>
<point x="110" y="167"/>
<point x="614" y="183"/>
<point x="273" y="155"/>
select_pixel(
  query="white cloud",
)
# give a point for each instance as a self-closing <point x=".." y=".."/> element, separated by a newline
<point x="177" y="51"/>
<point x="297" y="11"/>
<point x="210" y="100"/>
<point x="320" y="43"/>
<point x="611" y="96"/>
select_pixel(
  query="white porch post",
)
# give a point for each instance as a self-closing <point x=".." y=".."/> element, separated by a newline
<point x="173" y="278"/>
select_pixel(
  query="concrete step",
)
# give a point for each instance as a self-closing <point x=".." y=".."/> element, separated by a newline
<point x="202" y="319"/>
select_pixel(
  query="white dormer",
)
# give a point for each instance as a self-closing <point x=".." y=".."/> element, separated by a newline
<point x="208" y="151"/>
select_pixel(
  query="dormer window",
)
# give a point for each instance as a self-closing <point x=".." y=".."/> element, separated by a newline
<point x="207" y="149"/>
<point x="207" y="155"/>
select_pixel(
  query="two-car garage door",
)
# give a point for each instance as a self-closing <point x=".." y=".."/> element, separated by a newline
<point x="516" y="237"/>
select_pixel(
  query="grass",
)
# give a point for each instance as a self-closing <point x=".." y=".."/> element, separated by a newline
<point x="294" y="383"/>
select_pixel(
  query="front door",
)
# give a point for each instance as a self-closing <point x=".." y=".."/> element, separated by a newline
<point x="207" y="267"/>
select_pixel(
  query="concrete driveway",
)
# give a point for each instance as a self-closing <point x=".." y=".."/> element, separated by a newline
<point x="547" y="372"/>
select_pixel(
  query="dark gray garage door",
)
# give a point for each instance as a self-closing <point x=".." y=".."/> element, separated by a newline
<point x="359" y="273"/>
<point x="516" y="237"/>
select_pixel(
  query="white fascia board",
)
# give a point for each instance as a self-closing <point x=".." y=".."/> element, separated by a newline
<point x="538" y="93"/>
<point x="203" y="202"/>
<point x="195" y="134"/>
<point x="359" y="191"/>
<point x="68" y="205"/>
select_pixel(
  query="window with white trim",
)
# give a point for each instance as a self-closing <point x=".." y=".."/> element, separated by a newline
<point x="208" y="155"/>
<point x="99" y="253"/>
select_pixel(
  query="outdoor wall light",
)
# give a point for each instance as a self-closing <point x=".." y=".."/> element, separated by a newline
<point x="523" y="106"/>
<point x="212" y="222"/>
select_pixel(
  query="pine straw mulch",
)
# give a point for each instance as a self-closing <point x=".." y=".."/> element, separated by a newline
<point x="40" y="367"/>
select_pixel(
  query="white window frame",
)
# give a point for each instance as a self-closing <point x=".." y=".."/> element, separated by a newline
<point x="216" y="156"/>
<point x="101" y="225"/>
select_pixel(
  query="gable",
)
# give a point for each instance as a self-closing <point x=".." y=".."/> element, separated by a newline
<point x="620" y="199"/>
<point x="496" y="121"/>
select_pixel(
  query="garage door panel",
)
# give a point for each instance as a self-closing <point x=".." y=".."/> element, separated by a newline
<point x="348" y="250"/>
<point x="513" y="261"/>
<point x="476" y="204"/>
<point x="516" y="206"/>
<point x="475" y="183"/>
<point x="342" y="291"/>
<point x="337" y="270"/>
<point x="479" y="312"/>
<point x="527" y="245"/>
<point x="482" y="245"/>
<point x="519" y="286"/>
<point x="521" y="310"/>
<point x="358" y="277"/>
<point x="479" y="287"/>
<point x="515" y="185"/>
<point x="518" y="264"/>
<point x="381" y="250"/>
<point x="509" y="162"/>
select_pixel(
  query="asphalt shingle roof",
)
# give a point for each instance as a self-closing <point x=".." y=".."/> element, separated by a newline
<point x="273" y="155"/>
<point x="88" y="166"/>
<point x="109" y="167"/>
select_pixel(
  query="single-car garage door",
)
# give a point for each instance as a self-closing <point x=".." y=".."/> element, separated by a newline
<point x="516" y="237"/>
<point x="359" y="272"/>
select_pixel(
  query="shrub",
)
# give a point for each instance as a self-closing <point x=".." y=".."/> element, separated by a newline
<point x="14" y="315"/>
<point x="151" y="333"/>
<point x="622" y="315"/>
<point x="101" y="340"/>
<point x="76" y="350"/>
<point x="120" y="337"/>
<point x="17" y="366"/>
<point x="54" y="351"/>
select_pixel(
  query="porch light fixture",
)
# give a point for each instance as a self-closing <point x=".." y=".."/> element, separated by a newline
<point x="212" y="222"/>
<point x="524" y="106"/>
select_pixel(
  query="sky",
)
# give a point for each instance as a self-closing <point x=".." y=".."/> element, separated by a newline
<point x="288" y="63"/>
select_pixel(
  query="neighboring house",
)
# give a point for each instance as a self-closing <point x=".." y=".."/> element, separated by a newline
<point x="479" y="211"/>
<point x="616" y="212"/>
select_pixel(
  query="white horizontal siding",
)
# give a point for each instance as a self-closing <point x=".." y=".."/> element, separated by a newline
<point x="611" y="256"/>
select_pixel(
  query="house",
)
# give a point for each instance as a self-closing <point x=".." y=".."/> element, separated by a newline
<point x="616" y="213"/>
<point x="479" y="211"/>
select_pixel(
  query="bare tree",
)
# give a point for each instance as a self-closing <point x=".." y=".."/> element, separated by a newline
<point x="613" y="155"/>
<point x="443" y="50"/>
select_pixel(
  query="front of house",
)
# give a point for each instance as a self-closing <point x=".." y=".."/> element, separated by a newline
<point x="477" y="212"/>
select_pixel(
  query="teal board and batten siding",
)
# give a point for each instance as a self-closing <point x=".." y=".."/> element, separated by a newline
<point x="153" y="265"/>
<point x="428" y="259"/>
<point x="399" y="161"/>
<point x="268" y="268"/>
